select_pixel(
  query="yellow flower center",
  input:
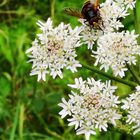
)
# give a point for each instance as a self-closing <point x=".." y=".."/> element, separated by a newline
<point x="91" y="101"/>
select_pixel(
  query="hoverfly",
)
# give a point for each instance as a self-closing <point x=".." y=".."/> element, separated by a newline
<point x="89" y="12"/>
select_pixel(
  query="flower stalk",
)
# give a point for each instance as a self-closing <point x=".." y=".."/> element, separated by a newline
<point x="134" y="74"/>
<point x="94" y="69"/>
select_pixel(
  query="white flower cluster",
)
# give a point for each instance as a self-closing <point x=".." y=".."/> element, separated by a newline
<point x="132" y="105"/>
<point x="54" y="49"/>
<point x="92" y="106"/>
<point x="110" y="12"/>
<point x="115" y="50"/>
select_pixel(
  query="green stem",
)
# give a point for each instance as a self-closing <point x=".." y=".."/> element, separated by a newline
<point x="34" y="134"/>
<point x="137" y="25"/>
<point x="137" y="18"/>
<point x="3" y="3"/>
<point x="129" y="83"/>
<point x="52" y="9"/>
<point x="21" y="121"/>
<point x="134" y="74"/>
<point x="15" y="123"/>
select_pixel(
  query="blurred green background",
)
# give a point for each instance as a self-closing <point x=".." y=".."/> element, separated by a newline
<point x="28" y="109"/>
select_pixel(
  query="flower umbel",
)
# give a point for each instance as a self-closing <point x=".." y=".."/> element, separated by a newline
<point x="116" y="50"/>
<point x="132" y="105"/>
<point x="92" y="106"/>
<point x="54" y="49"/>
<point x="110" y="12"/>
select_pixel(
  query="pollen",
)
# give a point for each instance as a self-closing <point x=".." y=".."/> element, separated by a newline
<point x="91" y="101"/>
<point x="55" y="46"/>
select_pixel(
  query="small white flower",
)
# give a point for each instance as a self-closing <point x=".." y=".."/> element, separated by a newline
<point x="132" y="105"/>
<point x="127" y="3"/>
<point x="87" y="130"/>
<point x="116" y="50"/>
<point x="138" y="88"/>
<point x="54" y="49"/>
<point x="92" y="106"/>
<point x="67" y="107"/>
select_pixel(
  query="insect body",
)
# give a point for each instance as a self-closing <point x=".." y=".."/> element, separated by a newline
<point x="89" y="11"/>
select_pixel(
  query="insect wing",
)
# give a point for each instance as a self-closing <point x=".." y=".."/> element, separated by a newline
<point x="73" y="12"/>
